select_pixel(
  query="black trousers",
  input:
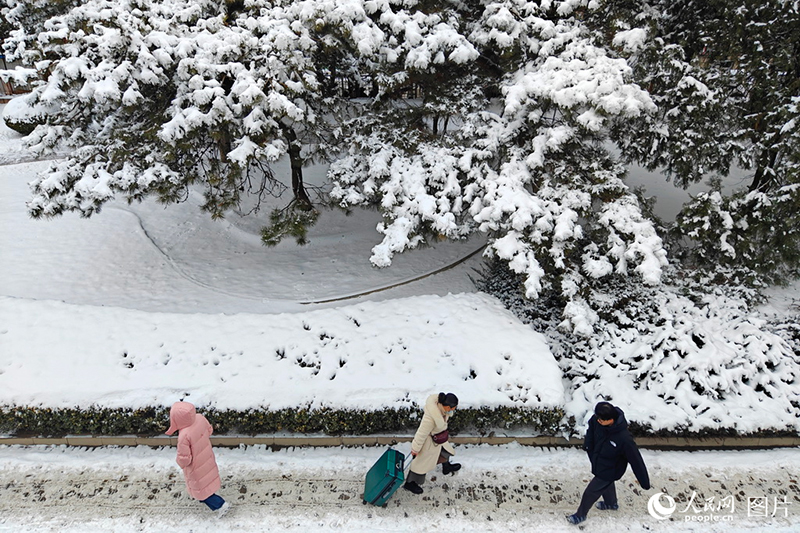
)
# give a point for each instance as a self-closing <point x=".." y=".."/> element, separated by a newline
<point x="597" y="487"/>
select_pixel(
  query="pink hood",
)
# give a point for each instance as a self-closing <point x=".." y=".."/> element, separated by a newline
<point x="181" y="416"/>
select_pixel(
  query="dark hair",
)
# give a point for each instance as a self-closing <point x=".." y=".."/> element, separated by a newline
<point x="449" y="399"/>
<point x="605" y="411"/>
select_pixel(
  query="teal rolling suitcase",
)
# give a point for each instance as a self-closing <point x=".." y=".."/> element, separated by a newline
<point x="384" y="478"/>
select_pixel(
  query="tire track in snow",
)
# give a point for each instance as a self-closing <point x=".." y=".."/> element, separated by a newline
<point x="174" y="265"/>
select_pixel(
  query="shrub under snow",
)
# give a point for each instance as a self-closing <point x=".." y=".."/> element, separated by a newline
<point x="674" y="359"/>
<point x="22" y="116"/>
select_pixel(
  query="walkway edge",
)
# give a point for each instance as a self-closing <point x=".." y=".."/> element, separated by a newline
<point x="665" y="443"/>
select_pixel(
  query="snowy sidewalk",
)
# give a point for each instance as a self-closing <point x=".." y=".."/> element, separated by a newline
<point x="501" y="488"/>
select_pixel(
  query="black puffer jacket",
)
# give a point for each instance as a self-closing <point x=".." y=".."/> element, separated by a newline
<point x="611" y="448"/>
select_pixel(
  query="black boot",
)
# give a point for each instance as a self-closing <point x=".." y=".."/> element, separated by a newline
<point x="412" y="486"/>
<point x="450" y="468"/>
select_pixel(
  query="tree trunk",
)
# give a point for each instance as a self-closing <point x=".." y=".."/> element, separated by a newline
<point x="296" y="162"/>
<point x="763" y="179"/>
<point x="224" y="145"/>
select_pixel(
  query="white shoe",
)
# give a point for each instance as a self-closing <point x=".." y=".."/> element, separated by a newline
<point x="222" y="511"/>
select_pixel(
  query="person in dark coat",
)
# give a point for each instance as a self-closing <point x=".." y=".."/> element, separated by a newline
<point x="610" y="448"/>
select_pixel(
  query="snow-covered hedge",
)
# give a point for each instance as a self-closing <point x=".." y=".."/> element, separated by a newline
<point x="675" y="359"/>
<point x="709" y="365"/>
<point x="46" y="422"/>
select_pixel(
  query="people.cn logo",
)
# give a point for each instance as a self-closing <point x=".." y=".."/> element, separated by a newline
<point x="659" y="511"/>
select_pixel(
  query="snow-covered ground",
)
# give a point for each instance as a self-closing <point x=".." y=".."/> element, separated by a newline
<point x="364" y="356"/>
<point x="508" y="488"/>
<point x="144" y="305"/>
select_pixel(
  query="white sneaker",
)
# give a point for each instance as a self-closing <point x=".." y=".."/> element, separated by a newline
<point x="222" y="511"/>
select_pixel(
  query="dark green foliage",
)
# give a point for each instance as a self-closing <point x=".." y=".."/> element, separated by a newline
<point x="305" y="420"/>
<point x="233" y="8"/>
<point x="485" y="419"/>
<point x="789" y="329"/>
<point x="748" y="231"/>
<point x="292" y="221"/>
<point x="725" y="75"/>
<point x="644" y="430"/>
<point x="543" y="314"/>
<point x="673" y="342"/>
<point x="46" y="422"/>
<point x="30" y="17"/>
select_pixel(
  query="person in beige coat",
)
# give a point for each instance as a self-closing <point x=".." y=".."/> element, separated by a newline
<point x="430" y="446"/>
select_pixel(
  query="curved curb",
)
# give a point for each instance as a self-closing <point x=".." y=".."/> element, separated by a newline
<point x="191" y="279"/>
<point x="399" y="283"/>
<point x="655" y="443"/>
<point x="32" y="159"/>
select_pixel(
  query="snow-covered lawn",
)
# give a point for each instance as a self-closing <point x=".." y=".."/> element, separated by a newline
<point x="365" y="356"/>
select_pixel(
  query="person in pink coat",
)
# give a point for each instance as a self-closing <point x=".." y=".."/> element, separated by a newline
<point x="195" y="455"/>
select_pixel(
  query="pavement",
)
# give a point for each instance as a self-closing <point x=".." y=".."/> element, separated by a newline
<point x="499" y="489"/>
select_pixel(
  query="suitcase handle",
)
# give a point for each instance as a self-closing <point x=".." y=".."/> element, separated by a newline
<point x="403" y="465"/>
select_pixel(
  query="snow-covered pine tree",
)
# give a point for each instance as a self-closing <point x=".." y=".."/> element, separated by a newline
<point x="528" y="168"/>
<point x="23" y="20"/>
<point x="404" y="147"/>
<point x="146" y="102"/>
<point x="160" y="95"/>
<point x="724" y="76"/>
<point x="477" y="117"/>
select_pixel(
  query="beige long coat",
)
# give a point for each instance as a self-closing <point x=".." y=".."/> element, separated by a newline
<point x="434" y="420"/>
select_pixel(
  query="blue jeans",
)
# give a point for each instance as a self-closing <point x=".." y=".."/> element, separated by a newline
<point x="214" y="502"/>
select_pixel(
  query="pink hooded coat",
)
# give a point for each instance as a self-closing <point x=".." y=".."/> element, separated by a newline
<point x="195" y="455"/>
